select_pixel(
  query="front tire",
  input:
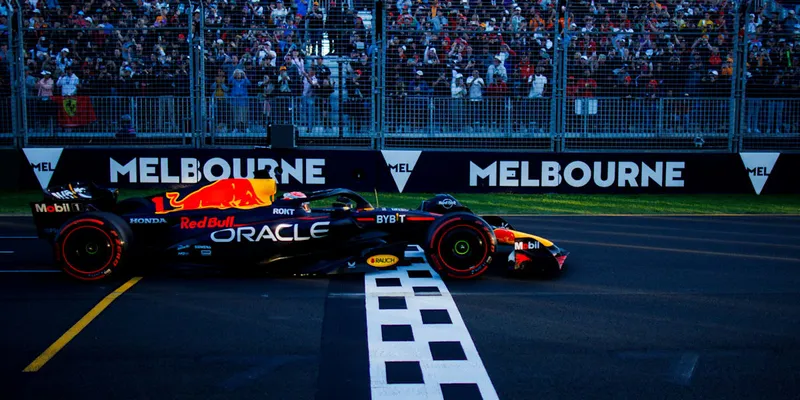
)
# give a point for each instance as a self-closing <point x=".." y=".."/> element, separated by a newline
<point x="93" y="246"/>
<point x="460" y="245"/>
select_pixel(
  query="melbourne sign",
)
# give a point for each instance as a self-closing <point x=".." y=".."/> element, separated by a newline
<point x="577" y="174"/>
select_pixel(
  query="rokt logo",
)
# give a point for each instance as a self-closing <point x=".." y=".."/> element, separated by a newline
<point x="383" y="260"/>
<point x="283" y="211"/>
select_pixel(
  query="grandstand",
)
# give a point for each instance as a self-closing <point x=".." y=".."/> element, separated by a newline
<point x="546" y="75"/>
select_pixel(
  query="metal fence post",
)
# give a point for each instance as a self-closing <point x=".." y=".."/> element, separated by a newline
<point x="11" y="60"/>
<point x="193" y="98"/>
<point x="20" y="67"/>
<point x="379" y="77"/>
<point x="557" y="93"/>
<point x="201" y="104"/>
<point x="740" y="72"/>
<point x="736" y="101"/>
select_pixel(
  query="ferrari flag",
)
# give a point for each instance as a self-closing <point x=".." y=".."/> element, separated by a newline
<point x="74" y="111"/>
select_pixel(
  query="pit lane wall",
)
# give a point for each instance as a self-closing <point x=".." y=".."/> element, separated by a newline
<point x="415" y="171"/>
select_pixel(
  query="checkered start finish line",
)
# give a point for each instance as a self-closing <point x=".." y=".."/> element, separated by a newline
<point x="419" y="346"/>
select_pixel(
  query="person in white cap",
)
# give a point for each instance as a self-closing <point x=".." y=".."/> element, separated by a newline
<point x="458" y="89"/>
<point x="497" y="68"/>
<point x="45" y="85"/>
<point x="63" y="60"/>
<point x="455" y="113"/>
<point x="45" y="107"/>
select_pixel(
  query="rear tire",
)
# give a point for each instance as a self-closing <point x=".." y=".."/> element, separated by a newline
<point x="93" y="246"/>
<point x="460" y="245"/>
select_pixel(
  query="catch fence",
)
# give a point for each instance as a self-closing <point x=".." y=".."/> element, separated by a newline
<point x="402" y="76"/>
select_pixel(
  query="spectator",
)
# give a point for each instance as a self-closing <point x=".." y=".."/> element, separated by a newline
<point x="496" y="70"/>
<point x="45" y="85"/>
<point x="239" y="84"/>
<point x="310" y="86"/>
<point x="419" y="87"/>
<point x="476" y="85"/>
<point x="322" y="70"/>
<point x="538" y="83"/>
<point x="336" y="24"/>
<point x="625" y="45"/>
<point x="458" y="88"/>
<point x="315" y="26"/>
<point x="68" y="82"/>
<point x="284" y="81"/>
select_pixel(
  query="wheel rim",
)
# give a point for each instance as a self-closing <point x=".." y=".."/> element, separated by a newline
<point x="463" y="248"/>
<point x="88" y="249"/>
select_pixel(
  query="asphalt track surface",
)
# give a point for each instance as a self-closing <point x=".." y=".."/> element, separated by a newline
<point x="649" y="307"/>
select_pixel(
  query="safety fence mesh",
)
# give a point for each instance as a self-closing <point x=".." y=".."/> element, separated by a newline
<point x="544" y="76"/>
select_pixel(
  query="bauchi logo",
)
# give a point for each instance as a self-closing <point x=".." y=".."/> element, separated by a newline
<point x="383" y="260"/>
<point x="307" y="171"/>
<point x="759" y="167"/>
<point x="401" y="164"/>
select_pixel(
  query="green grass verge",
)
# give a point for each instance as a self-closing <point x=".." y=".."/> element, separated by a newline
<point x="506" y="203"/>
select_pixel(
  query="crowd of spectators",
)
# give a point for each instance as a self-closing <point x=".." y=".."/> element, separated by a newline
<point x="467" y="49"/>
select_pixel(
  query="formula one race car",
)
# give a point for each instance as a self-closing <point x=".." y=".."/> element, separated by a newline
<point x="244" y="222"/>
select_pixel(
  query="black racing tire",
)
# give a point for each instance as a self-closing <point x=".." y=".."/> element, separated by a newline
<point x="93" y="246"/>
<point x="460" y="245"/>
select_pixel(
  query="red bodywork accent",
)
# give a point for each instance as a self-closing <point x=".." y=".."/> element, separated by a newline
<point x="365" y="219"/>
<point x="221" y="195"/>
<point x="504" y="236"/>
<point x="561" y="260"/>
<point x="520" y="257"/>
<point x="415" y="219"/>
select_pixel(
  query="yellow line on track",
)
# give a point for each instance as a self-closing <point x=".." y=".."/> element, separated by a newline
<point x="674" y="250"/>
<point x="70" y="334"/>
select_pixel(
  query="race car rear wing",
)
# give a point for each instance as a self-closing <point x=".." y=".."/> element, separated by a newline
<point x="50" y="215"/>
<point x="60" y="203"/>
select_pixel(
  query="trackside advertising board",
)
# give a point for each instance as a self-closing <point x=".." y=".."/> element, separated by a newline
<point x="421" y="171"/>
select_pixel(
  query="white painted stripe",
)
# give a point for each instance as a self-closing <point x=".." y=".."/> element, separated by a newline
<point x="434" y="373"/>
<point x="27" y="271"/>
<point x="19" y="237"/>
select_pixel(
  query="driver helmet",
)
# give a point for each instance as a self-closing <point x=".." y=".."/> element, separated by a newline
<point x="297" y="195"/>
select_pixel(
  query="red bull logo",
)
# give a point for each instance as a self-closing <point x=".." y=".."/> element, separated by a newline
<point x="238" y="193"/>
<point x="207" y="222"/>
